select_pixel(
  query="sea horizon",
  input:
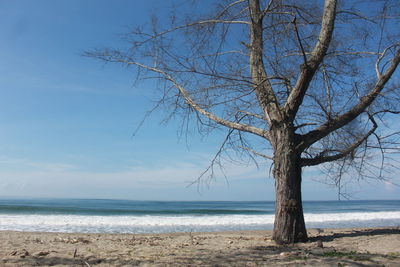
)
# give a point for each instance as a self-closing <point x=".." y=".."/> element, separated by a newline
<point x="180" y="200"/>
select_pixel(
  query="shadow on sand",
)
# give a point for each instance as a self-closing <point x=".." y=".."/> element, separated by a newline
<point x="356" y="233"/>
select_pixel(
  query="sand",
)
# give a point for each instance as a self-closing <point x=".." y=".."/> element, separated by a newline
<point x="327" y="247"/>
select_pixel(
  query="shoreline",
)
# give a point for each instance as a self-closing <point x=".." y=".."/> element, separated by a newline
<point x="327" y="247"/>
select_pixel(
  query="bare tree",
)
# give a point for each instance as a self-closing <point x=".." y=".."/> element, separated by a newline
<point x="296" y="82"/>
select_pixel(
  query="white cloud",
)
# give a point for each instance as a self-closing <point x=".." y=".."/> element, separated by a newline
<point x="25" y="164"/>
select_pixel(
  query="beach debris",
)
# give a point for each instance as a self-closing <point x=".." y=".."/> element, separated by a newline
<point x="42" y="253"/>
<point x="267" y="239"/>
<point x="83" y="240"/>
<point x="38" y="240"/>
<point x="75" y="251"/>
<point x="22" y="253"/>
<point x="192" y="239"/>
<point x="320" y="244"/>
<point x="284" y="254"/>
<point x="72" y="240"/>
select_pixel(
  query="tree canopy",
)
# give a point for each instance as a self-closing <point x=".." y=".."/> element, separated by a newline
<point x="301" y="83"/>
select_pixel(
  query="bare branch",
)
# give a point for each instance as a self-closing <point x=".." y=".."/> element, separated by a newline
<point x="214" y="161"/>
<point x="203" y="22"/>
<point x="382" y="55"/>
<point x="334" y="53"/>
<point x="303" y="125"/>
<point x="350" y="149"/>
<point x="267" y="8"/>
<point x="299" y="40"/>
<point x="355" y="14"/>
<point x="364" y="102"/>
<point x="213" y="21"/>
<point x="328" y="91"/>
<point x="251" y="114"/>
<point x="308" y="70"/>
<point x="195" y="106"/>
<point x="256" y="153"/>
<point x="229" y="6"/>
<point x="387" y="111"/>
<point x="263" y="88"/>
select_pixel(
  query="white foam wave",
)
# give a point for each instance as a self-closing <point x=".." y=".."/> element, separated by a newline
<point x="159" y="224"/>
<point x="356" y="216"/>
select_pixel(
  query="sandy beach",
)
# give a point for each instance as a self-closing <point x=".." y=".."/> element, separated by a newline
<point x="327" y="247"/>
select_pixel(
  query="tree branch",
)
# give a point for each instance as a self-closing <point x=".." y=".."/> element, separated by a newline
<point x="229" y="6"/>
<point x="251" y="114"/>
<point x="203" y="22"/>
<point x="256" y="153"/>
<point x="267" y="8"/>
<point x="308" y="70"/>
<point x="334" y="124"/>
<point x="378" y="72"/>
<point x="263" y="88"/>
<point x="303" y="125"/>
<point x="214" y="161"/>
<point x="322" y="159"/>
<point x="299" y="40"/>
<point x="192" y="103"/>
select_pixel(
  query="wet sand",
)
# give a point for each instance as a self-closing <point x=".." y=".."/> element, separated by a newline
<point x="327" y="247"/>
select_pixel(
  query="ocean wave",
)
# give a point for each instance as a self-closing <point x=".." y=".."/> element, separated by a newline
<point x="162" y="224"/>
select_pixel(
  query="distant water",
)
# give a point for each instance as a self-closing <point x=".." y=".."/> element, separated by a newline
<point x="125" y="216"/>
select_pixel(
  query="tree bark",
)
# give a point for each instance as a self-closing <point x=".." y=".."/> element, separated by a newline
<point x="289" y="226"/>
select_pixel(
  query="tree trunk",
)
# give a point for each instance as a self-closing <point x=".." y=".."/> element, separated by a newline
<point x="289" y="226"/>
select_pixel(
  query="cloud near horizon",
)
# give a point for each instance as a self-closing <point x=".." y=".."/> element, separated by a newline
<point x="66" y="180"/>
<point x="165" y="180"/>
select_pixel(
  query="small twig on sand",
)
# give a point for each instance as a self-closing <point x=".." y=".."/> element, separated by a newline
<point x="87" y="263"/>
<point x="76" y="250"/>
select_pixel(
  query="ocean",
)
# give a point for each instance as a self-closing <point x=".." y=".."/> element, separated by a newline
<point x="127" y="216"/>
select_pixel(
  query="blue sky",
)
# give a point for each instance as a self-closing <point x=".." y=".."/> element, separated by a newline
<point x="66" y="121"/>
